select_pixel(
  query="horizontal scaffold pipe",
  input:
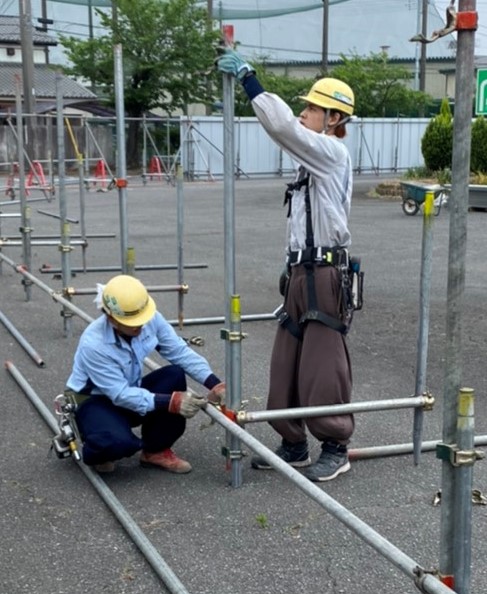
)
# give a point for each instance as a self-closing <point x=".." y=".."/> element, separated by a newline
<point x="48" y="269"/>
<point x="335" y="409"/>
<point x="429" y="583"/>
<point x="401" y="448"/>
<point x="74" y="236"/>
<point x="161" y="568"/>
<point x="151" y="288"/>
<point x="39" y="242"/>
<point x="221" y="319"/>
<point x="28" y="348"/>
<point x="11" y="202"/>
<point x="54" y="294"/>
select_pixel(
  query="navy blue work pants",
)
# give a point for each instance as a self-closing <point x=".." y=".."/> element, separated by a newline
<point x="106" y="429"/>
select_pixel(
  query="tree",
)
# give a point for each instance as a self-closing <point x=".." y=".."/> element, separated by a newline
<point x="437" y="141"/>
<point x="380" y="87"/>
<point x="478" y="159"/>
<point x="167" y="50"/>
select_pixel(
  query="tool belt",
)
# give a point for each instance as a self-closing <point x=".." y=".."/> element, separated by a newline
<point x="324" y="256"/>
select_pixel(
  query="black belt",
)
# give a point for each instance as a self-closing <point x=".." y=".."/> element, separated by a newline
<point x="325" y="256"/>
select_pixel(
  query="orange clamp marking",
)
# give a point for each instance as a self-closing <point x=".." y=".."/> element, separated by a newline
<point x="121" y="183"/>
<point x="230" y="414"/>
<point x="448" y="580"/>
<point x="467" y="20"/>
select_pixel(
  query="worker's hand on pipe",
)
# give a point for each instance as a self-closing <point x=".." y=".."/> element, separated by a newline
<point x="231" y="62"/>
<point x="216" y="395"/>
<point x="186" y="403"/>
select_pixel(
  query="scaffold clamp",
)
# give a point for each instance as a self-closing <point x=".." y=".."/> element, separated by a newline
<point x="452" y="453"/>
<point x="232" y="336"/>
<point x="420" y="575"/>
<point x="455" y="21"/>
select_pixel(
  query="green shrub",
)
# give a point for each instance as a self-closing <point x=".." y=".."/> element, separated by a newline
<point x="437" y="141"/>
<point x="478" y="157"/>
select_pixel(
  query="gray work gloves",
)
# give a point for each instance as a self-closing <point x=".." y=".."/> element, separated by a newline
<point x="186" y="403"/>
<point x="231" y="62"/>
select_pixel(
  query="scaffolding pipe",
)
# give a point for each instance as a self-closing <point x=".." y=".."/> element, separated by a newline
<point x="457" y="250"/>
<point x="39" y="242"/>
<point x="160" y="567"/>
<point x="232" y="333"/>
<point x="75" y="236"/>
<point x="424" y="317"/>
<point x="304" y="412"/>
<point x="25" y="227"/>
<point x="27" y="201"/>
<point x="117" y="268"/>
<point x="180" y="246"/>
<point x="65" y="230"/>
<point x="221" y="319"/>
<point x="150" y="288"/>
<point x="403" y="562"/>
<point x="121" y="163"/>
<point x="463" y="491"/>
<point x="401" y="448"/>
<point x="56" y="216"/>
<point x="28" y="348"/>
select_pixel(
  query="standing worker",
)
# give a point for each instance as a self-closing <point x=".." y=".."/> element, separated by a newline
<point x="112" y="396"/>
<point x="310" y="364"/>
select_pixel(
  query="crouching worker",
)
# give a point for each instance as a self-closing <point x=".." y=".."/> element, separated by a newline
<point x="113" y="397"/>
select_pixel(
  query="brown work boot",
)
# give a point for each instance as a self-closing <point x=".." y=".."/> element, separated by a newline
<point x="166" y="460"/>
<point x="105" y="468"/>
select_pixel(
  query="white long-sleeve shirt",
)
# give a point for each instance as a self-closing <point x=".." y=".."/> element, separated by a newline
<point x="327" y="160"/>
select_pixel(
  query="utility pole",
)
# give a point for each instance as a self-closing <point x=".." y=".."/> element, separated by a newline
<point x="324" y="48"/>
<point x="424" y="31"/>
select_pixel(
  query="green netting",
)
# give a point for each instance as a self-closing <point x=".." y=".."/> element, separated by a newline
<point x="225" y="10"/>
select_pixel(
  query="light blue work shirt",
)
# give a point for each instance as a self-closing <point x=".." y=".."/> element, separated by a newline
<point x="113" y="367"/>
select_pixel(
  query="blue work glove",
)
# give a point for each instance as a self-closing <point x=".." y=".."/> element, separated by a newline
<point x="231" y="62"/>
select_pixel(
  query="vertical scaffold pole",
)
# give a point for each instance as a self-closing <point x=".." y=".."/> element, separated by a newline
<point x="24" y="208"/>
<point x="458" y="208"/>
<point x="424" y="316"/>
<point x="64" y="245"/>
<point x="121" y="162"/>
<point x="180" y="232"/>
<point x="463" y="491"/>
<point x="232" y="334"/>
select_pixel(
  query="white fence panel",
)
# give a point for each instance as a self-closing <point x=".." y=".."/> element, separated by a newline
<point x="375" y="145"/>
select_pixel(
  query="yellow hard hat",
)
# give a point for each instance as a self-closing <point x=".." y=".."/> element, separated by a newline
<point x="127" y="301"/>
<point x="331" y="93"/>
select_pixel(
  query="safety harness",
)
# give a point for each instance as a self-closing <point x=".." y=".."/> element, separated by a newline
<point x="317" y="256"/>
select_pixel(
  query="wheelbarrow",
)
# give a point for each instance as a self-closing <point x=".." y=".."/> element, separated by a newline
<point x="414" y="195"/>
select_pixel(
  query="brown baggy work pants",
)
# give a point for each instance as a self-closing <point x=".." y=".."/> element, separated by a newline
<point x="314" y="371"/>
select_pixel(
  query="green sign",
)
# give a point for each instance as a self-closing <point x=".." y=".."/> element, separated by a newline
<point x="481" y="93"/>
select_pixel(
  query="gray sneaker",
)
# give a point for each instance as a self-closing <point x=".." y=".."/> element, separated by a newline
<point x="295" y="454"/>
<point x="329" y="465"/>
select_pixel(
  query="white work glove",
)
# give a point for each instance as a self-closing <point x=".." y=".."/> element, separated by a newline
<point x="216" y="395"/>
<point x="186" y="403"/>
<point x="231" y="62"/>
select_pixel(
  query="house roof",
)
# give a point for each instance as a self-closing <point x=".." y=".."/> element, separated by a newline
<point x="10" y="33"/>
<point x="44" y="84"/>
<point x="355" y="27"/>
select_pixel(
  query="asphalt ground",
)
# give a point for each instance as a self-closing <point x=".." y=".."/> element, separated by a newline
<point x="265" y="537"/>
